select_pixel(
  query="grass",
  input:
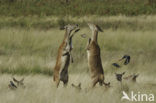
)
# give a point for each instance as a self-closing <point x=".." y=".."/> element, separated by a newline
<point x="76" y="7"/>
<point x="49" y="94"/>
<point x="31" y="53"/>
<point x="26" y="51"/>
<point x="143" y="22"/>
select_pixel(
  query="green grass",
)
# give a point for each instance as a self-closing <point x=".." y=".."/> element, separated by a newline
<point x="142" y="22"/>
<point x="33" y="51"/>
<point x="76" y="7"/>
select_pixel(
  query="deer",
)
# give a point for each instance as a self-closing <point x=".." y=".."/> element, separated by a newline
<point x="119" y="76"/>
<point x="64" y="55"/>
<point x="94" y="57"/>
<point x="16" y="83"/>
<point x="132" y="77"/>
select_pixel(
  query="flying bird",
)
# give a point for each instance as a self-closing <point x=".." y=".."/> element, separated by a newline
<point x="123" y="61"/>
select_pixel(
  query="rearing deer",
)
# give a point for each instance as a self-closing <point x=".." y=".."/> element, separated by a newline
<point x="94" y="57"/>
<point x="64" y="56"/>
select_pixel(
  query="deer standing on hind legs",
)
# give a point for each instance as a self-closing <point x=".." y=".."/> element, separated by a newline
<point x="64" y="56"/>
<point x="94" y="57"/>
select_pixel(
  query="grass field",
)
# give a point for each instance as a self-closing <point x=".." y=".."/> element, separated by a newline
<point x="141" y="22"/>
<point x="76" y="7"/>
<point x="31" y="53"/>
<point x="41" y="89"/>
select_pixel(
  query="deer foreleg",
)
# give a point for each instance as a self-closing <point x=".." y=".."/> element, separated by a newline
<point x="89" y="40"/>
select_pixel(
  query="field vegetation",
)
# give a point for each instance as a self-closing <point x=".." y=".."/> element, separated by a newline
<point x="76" y="7"/>
<point x="25" y="51"/>
<point x="31" y="53"/>
<point x="30" y="37"/>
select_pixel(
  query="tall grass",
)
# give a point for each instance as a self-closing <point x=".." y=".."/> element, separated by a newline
<point x="33" y="51"/>
<point x="76" y="7"/>
<point x="144" y="22"/>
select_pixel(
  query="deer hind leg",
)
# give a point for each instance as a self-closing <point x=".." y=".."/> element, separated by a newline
<point x="95" y="81"/>
<point x="56" y="78"/>
<point x="65" y="82"/>
<point x="102" y="82"/>
<point x="64" y="77"/>
<point x="101" y="79"/>
<point x="57" y="83"/>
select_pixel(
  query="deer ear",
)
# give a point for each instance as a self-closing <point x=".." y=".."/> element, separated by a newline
<point x="99" y="28"/>
<point x="77" y="30"/>
<point x="22" y="80"/>
<point x="137" y="75"/>
<point x="15" y="80"/>
<point x="72" y="85"/>
<point x="79" y="85"/>
<point x="123" y="73"/>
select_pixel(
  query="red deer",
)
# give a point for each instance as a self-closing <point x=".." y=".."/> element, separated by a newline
<point x="64" y="56"/>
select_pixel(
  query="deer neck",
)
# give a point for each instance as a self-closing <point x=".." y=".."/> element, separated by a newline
<point x="94" y="35"/>
<point x="66" y="36"/>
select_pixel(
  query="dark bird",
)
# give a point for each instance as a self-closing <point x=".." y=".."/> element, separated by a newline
<point x="126" y="58"/>
<point x="116" y="65"/>
<point x="123" y="61"/>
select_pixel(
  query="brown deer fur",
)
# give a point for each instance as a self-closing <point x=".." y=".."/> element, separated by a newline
<point x="94" y="57"/>
<point x="64" y="56"/>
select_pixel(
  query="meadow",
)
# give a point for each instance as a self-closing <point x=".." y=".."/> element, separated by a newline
<point x="31" y="53"/>
<point x="41" y="8"/>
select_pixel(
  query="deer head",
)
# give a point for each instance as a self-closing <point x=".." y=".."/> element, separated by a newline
<point x="69" y="28"/>
<point x="94" y="27"/>
<point x="68" y="39"/>
<point x="134" y="77"/>
<point x="119" y="76"/>
<point x="19" y="83"/>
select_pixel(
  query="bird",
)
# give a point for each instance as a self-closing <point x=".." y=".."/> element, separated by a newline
<point x="123" y="61"/>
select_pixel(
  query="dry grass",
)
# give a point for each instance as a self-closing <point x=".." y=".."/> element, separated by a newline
<point x="34" y="51"/>
<point x="31" y="53"/>
<point x="41" y="89"/>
